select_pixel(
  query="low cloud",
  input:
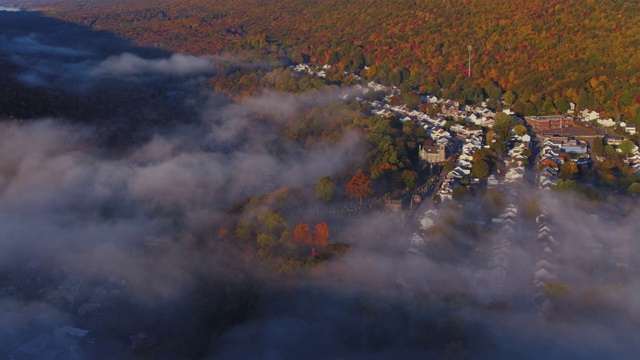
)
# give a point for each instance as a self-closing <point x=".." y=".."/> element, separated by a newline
<point x="379" y="302"/>
<point x="10" y="9"/>
<point x="58" y="191"/>
<point x="177" y="64"/>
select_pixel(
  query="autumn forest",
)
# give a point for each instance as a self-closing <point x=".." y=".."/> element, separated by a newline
<point x="538" y="55"/>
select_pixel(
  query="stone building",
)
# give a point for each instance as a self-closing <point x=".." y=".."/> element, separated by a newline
<point x="433" y="153"/>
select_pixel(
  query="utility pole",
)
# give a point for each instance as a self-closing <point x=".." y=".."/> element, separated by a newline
<point x="469" y="48"/>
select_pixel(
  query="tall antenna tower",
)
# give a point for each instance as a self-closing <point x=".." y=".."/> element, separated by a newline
<point x="469" y="71"/>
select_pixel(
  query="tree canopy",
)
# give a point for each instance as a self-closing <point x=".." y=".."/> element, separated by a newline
<point x="324" y="189"/>
<point x="626" y="147"/>
<point x="597" y="146"/>
<point x="409" y="177"/>
<point x="359" y="187"/>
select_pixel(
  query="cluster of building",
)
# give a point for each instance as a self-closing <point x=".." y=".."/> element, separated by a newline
<point x="468" y="144"/>
<point x="550" y="158"/>
<point x="588" y="116"/>
<point x="478" y="115"/>
<point x="492" y="280"/>
<point x="488" y="279"/>
<point x="444" y="141"/>
<point x="560" y="136"/>
<point x="633" y="158"/>
<point x="320" y="71"/>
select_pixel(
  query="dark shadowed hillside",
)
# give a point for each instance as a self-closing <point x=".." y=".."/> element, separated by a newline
<point x="48" y="71"/>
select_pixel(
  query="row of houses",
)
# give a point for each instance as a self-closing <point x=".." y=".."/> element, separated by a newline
<point x="515" y="163"/>
<point x="494" y="277"/>
<point x="621" y="250"/>
<point x="633" y="160"/>
<point x="549" y="161"/>
<point x="547" y="177"/>
<point x="546" y="262"/>
<point x="462" y="170"/>
<point x="491" y="279"/>
<point x="476" y="116"/>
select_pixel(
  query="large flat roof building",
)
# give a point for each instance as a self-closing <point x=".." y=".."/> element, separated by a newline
<point x="578" y="132"/>
<point x="542" y="123"/>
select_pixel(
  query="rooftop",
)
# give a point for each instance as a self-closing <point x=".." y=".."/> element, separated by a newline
<point x="546" y="117"/>
<point x="576" y="131"/>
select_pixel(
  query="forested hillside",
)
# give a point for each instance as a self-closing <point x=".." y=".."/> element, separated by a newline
<point x="540" y="55"/>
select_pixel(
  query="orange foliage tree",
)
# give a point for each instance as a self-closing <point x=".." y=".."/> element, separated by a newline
<point x="301" y="234"/>
<point x="359" y="187"/>
<point x="321" y="234"/>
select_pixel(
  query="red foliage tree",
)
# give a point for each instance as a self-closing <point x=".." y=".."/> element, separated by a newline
<point x="301" y="234"/>
<point x="321" y="235"/>
<point x="359" y="187"/>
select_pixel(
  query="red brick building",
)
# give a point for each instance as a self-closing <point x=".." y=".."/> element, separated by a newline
<point x="542" y="123"/>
